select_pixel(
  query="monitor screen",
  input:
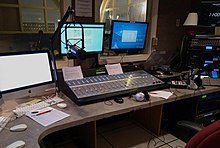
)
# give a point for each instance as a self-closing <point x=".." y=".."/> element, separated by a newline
<point x="24" y="71"/>
<point x="73" y="33"/>
<point x="209" y="14"/>
<point x="128" y="36"/>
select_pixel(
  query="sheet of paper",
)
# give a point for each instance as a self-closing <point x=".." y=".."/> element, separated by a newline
<point x="161" y="94"/>
<point x="72" y="73"/>
<point x="47" y="118"/>
<point x="114" y="69"/>
<point x="83" y="8"/>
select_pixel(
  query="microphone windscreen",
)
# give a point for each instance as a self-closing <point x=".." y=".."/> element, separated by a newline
<point x="81" y="54"/>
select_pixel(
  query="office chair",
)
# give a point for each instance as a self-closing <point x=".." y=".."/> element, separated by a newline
<point x="205" y="137"/>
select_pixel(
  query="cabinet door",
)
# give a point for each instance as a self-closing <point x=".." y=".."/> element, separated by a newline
<point x="9" y="19"/>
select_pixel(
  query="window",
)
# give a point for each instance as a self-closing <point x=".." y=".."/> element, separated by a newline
<point x="123" y="10"/>
<point x="130" y="10"/>
<point x="29" y="16"/>
<point x="39" y="15"/>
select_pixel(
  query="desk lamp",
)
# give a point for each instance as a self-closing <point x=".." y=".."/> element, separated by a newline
<point x="190" y="26"/>
<point x="191" y="23"/>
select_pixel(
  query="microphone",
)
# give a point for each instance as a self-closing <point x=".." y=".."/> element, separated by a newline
<point x="77" y="52"/>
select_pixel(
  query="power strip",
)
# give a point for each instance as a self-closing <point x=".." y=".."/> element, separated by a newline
<point x="179" y="84"/>
<point x="207" y="81"/>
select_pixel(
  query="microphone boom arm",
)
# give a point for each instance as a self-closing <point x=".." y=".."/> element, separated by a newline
<point x="69" y="12"/>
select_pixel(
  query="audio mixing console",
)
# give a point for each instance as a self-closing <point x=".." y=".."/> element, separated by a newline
<point x="103" y="87"/>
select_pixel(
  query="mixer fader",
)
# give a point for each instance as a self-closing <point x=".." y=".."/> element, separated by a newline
<point x="98" y="88"/>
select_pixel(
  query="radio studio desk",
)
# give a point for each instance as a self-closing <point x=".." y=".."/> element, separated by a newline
<point x="87" y="115"/>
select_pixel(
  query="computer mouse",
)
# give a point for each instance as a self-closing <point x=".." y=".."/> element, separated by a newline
<point x="16" y="144"/>
<point x="18" y="128"/>
<point x="119" y="100"/>
<point x="62" y="105"/>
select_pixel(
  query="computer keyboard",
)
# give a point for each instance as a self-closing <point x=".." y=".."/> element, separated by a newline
<point x="3" y="122"/>
<point x="20" y="111"/>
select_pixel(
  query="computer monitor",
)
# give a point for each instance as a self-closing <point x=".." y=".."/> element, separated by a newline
<point x="73" y="33"/>
<point x="209" y="14"/>
<point x="25" y="74"/>
<point x="128" y="37"/>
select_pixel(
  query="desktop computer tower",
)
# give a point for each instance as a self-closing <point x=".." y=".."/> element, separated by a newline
<point x="202" y="109"/>
<point x="208" y="109"/>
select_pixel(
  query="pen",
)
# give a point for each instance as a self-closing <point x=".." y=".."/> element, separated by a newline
<point x="44" y="112"/>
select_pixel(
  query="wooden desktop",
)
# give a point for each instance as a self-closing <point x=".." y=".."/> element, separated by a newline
<point x="87" y="115"/>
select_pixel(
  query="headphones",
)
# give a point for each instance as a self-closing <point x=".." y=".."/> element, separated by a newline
<point x="140" y="96"/>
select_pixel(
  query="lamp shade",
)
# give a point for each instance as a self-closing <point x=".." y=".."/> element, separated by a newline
<point x="191" y="20"/>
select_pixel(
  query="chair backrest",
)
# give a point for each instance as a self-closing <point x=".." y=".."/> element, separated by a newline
<point x="207" y="137"/>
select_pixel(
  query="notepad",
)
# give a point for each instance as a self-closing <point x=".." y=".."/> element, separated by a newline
<point x="47" y="116"/>
<point x="161" y="94"/>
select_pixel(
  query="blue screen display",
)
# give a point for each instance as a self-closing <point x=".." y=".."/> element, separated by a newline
<point x="208" y="47"/>
<point x="214" y="74"/>
<point x="72" y="34"/>
<point x="208" y="62"/>
<point x="128" y="35"/>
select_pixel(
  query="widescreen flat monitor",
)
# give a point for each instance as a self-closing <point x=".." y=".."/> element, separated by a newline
<point x="25" y="74"/>
<point x="209" y="14"/>
<point x="129" y="37"/>
<point x="72" y="33"/>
